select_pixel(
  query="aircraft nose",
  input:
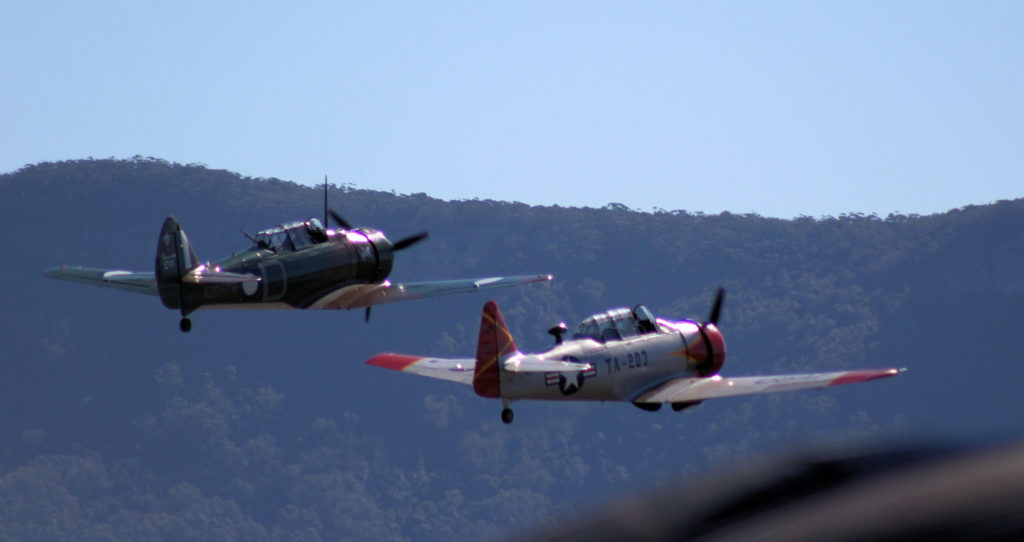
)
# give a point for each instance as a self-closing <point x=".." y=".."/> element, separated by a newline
<point x="714" y="347"/>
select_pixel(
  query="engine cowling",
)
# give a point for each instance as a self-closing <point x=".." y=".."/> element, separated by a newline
<point x="713" y="345"/>
<point x="705" y="346"/>
<point x="383" y="255"/>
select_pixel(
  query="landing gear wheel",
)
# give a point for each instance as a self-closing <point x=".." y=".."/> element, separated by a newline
<point x="185" y="325"/>
<point x="506" y="415"/>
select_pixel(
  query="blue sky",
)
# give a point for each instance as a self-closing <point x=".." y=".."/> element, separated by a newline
<point x="781" y="109"/>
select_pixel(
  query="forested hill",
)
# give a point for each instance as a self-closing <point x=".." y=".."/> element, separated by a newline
<point x="266" y="425"/>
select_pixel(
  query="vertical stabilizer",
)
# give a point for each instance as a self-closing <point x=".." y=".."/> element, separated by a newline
<point x="174" y="258"/>
<point x="494" y="345"/>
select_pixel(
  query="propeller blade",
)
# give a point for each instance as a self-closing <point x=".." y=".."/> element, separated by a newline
<point x="366" y="317"/>
<point x="410" y="241"/>
<point x="716" y="308"/>
<point x="341" y="221"/>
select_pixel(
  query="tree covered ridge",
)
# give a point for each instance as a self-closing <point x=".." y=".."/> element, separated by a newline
<point x="267" y="426"/>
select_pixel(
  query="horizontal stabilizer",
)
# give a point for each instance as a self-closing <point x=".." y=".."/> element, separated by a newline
<point x="142" y="282"/>
<point x="535" y="364"/>
<point x="205" y="275"/>
<point x="683" y="390"/>
<point x="454" y="370"/>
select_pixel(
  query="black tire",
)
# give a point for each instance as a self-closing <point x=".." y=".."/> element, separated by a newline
<point x="185" y="325"/>
<point x="507" y="416"/>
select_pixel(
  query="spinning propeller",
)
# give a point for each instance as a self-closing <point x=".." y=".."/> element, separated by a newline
<point x="340" y="220"/>
<point x="716" y="307"/>
<point x="396" y="246"/>
<point x="713" y="343"/>
<point x="410" y="241"/>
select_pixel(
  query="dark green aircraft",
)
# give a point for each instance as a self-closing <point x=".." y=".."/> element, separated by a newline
<point x="301" y="265"/>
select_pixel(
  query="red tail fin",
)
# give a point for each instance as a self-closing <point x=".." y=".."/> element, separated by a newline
<point x="495" y="343"/>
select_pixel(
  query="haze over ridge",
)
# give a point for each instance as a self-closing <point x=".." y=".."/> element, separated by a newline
<point x="267" y="425"/>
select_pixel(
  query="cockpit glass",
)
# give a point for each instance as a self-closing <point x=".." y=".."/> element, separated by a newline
<point x="644" y="319"/>
<point x="587" y="329"/>
<point x="607" y="326"/>
<point x="300" y="237"/>
<point x="616" y="324"/>
<point x="316" y="230"/>
<point x="280" y="242"/>
<point x="625" y="323"/>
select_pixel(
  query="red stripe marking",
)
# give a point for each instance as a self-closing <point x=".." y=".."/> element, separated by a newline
<point x="494" y="342"/>
<point x="396" y="362"/>
<point x="863" y="376"/>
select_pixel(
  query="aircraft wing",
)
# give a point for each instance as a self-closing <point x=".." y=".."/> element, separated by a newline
<point x="455" y="370"/>
<point x="461" y="370"/>
<point x="142" y="282"/>
<point x="683" y="390"/>
<point x="367" y="295"/>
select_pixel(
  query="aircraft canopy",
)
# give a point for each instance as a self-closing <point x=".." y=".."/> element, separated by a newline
<point x="292" y="237"/>
<point x="616" y="324"/>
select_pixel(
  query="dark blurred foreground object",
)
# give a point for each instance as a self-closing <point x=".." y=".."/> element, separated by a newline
<point x="923" y="493"/>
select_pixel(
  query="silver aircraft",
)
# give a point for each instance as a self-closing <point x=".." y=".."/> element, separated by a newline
<point x="619" y="355"/>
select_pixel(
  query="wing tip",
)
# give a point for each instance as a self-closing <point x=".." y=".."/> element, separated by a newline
<point x="866" y="375"/>
<point x="395" y="362"/>
<point x="54" y="271"/>
<point x="515" y="280"/>
<point x="527" y="279"/>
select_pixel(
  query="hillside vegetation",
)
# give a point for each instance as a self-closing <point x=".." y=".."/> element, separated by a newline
<point x="266" y="425"/>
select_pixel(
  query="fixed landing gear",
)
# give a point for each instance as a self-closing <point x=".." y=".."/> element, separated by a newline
<point x="185" y="325"/>
<point x="506" y="412"/>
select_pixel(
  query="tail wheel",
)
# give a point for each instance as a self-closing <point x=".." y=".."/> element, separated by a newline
<point x="185" y="325"/>
<point x="507" y="416"/>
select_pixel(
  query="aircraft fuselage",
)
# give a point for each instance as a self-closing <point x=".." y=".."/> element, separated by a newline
<point x="621" y="368"/>
<point x="295" y="278"/>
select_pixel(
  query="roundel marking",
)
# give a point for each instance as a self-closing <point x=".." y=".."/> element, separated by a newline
<point x="569" y="385"/>
<point x="249" y="287"/>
